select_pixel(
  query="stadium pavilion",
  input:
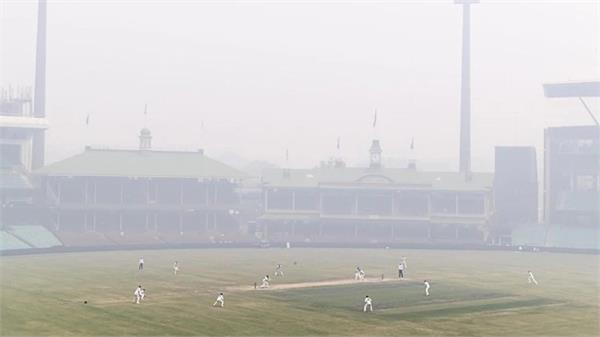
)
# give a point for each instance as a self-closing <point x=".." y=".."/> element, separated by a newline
<point x="140" y="196"/>
<point x="375" y="204"/>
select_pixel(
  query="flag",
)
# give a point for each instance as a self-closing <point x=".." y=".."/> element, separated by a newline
<point x="375" y="118"/>
<point x="87" y="120"/>
<point x="338" y="143"/>
<point x="412" y="143"/>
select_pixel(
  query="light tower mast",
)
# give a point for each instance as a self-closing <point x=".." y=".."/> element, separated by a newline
<point x="39" y="98"/>
<point x="465" y="90"/>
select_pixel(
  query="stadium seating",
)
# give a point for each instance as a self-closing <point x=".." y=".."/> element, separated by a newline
<point x="36" y="236"/>
<point x="10" y="242"/>
<point x="87" y="239"/>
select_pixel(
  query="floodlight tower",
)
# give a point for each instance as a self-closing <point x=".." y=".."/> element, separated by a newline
<point x="465" y="90"/>
<point x="39" y="98"/>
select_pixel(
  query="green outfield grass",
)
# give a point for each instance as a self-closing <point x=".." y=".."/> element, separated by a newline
<point x="473" y="293"/>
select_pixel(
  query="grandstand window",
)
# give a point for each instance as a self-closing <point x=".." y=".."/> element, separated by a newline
<point x="108" y="190"/>
<point x="411" y="203"/>
<point x="168" y="191"/>
<point x="279" y="199"/>
<point x="306" y="200"/>
<point x="134" y="221"/>
<point x="107" y="222"/>
<point x="72" y="190"/>
<point x="340" y="202"/>
<point x="471" y="204"/>
<point x="443" y="202"/>
<point x="375" y="203"/>
<point x="168" y="222"/>
<point x="194" y="192"/>
<point x="225" y="192"/>
<point x="135" y="191"/>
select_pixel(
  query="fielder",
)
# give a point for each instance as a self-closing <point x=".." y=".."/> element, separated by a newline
<point x="278" y="271"/>
<point x="142" y="294"/>
<point x="531" y="279"/>
<point x="359" y="275"/>
<point x="137" y="294"/>
<point x="175" y="268"/>
<point x="265" y="282"/>
<point x="368" y="304"/>
<point x="220" y="301"/>
<point x="141" y="264"/>
<point x="426" y="283"/>
<point x="401" y="270"/>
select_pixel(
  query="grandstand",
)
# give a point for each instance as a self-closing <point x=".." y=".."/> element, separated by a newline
<point x="10" y="242"/>
<point x="139" y="197"/>
<point x="35" y="236"/>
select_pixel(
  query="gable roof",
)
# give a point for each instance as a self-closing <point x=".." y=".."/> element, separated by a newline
<point x="379" y="177"/>
<point x="140" y="163"/>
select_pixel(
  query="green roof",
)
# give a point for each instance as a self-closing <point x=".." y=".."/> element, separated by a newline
<point x="140" y="163"/>
<point x="354" y="177"/>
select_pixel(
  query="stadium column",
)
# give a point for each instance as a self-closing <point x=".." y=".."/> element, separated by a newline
<point x="429" y="204"/>
<point x="206" y="196"/>
<point x="120" y="222"/>
<point x="266" y="200"/>
<point x="293" y="200"/>
<point x="180" y="223"/>
<point x="122" y="199"/>
<point x="181" y="191"/>
<point x="456" y="203"/>
<point x="215" y="194"/>
<point x="85" y="190"/>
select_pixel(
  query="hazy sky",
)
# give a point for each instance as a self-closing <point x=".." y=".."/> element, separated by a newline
<point x="263" y="76"/>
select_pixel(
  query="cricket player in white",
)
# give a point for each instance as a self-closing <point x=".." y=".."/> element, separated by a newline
<point x="141" y="264"/>
<point x="220" y="300"/>
<point x="175" y="268"/>
<point x="359" y="274"/>
<point x="142" y="294"/>
<point x="368" y="304"/>
<point x="278" y="271"/>
<point x="137" y="294"/>
<point x="401" y="270"/>
<point x="426" y="283"/>
<point x="531" y="279"/>
<point x="265" y="282"/>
